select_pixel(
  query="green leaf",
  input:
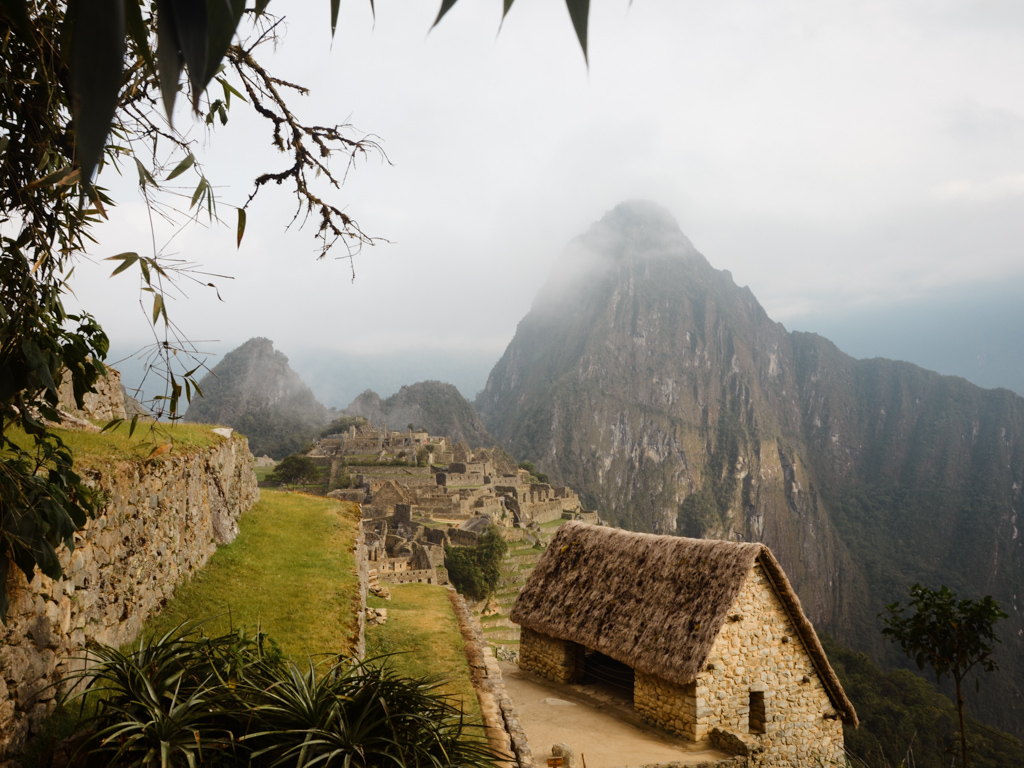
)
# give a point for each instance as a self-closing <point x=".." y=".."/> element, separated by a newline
<point x="223" y="18"/>
<point x="335" y="6"/>
<point x="131" y="427"/>
<point x="191" y="30"/>
<point x="181" y="167"/>
<point x="127" y="259"/>
<point x="169" y="61"/>
<point x="261" y="6"/>
<point x="200" y="190"/>
<point x="446" y="5"/>
<point x="97" y="61"/>
<point x="145" y="177"/>
<point x="579" y="12"/>
<point x="508" y="7"/>
<point x="158" y="306"/>
<point x="139" y="33"/>
<point x="241" y="226"/>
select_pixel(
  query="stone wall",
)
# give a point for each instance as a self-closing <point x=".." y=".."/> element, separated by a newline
<point x="104" y="403"/>
<point x="560" y="661"/>
<point x="421" y="576"/>
<point x="162" y="522"/>
<point x="672" y="707"/>
<point x="758" y="651"/>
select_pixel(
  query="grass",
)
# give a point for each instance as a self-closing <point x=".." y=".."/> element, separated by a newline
<point x="262" y="472"/>
<point x="93" y="448"/>
<point x="424" y="634"/>
<point x="291" y="570"/>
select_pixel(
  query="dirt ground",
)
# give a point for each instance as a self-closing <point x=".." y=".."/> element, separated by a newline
<point x="597" y="724"/>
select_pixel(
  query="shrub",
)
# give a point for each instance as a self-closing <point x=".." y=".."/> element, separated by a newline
<point x="476" y="571"/>
<point x="184" y="699"/>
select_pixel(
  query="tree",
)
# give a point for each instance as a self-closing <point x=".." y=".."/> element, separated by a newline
<point x="294" y="470"/>
<point x="81" y="90"/>
<point x="476" y="571"/>
<point x="950" y="636"/>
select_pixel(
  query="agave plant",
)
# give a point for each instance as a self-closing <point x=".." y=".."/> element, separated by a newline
<point x="164" y="703"/>
<point x="359" y="715"/>
<point x="183" y="699"/>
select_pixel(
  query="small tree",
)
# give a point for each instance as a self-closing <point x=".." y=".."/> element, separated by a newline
<point x="948" y="635"/>
<point x="294" y="470"/>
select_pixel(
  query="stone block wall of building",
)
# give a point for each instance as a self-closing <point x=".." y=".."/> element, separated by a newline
<point x="162" y="522"/>
<point x="420" y="576"/>
<point x="560" y="661"/>
<point x="759" y="657"/>
<point x="672" y="707"/>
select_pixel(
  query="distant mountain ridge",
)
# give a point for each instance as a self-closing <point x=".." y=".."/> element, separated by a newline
<point x="435" y="406"/>
<point x="663" y="393"/>
<point x="254" y="390"/>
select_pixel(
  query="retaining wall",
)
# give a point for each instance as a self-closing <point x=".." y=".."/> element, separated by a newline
<point x="163" y="520"/>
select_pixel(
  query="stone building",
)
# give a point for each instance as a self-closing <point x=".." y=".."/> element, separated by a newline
<point x="710" y="634"/>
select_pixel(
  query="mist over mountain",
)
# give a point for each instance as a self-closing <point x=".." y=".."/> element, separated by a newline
<point x="435" y="406"/>
<point x="254" y="390"/>
<point x="663" y="393"/>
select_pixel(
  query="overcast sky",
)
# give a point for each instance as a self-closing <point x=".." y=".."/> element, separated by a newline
<point x="831" y="155"/>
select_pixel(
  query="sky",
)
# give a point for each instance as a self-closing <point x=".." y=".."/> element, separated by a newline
<point x="850" y="161"/>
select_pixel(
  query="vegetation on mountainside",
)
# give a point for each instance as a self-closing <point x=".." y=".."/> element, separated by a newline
<point x="291" y="571"/>
<point x="476" y="571"/>
<point x="422" y="638"/>
<point x="342" y="424"/>
<point x="183" y="698"/>
<point x="905" y="720"/>
<point x="951" y="636"/>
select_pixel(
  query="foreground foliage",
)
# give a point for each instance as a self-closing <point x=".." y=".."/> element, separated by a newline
<point x="185" y="699"/>
<point x="904" y="719"/>
<point x="951" y="636"/>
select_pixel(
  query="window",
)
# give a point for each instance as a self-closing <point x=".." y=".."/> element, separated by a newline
<point x="756" y="718"/>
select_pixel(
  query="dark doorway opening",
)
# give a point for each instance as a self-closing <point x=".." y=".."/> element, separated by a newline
<point x="608" y="675"/>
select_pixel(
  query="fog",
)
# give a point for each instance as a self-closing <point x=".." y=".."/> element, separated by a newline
<point x="847" y="161"/>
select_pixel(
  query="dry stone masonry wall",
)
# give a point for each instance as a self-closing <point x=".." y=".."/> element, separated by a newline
<point x="162" y="522"/>
<point x="759" y="671"/>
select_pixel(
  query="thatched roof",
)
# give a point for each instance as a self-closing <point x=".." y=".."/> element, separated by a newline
<point x="655" y="603"/>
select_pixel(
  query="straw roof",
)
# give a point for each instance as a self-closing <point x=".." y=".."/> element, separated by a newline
<point x="655" y="603"/>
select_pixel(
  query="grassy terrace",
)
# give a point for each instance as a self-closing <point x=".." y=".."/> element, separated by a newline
<point x="94" y="448"/>
<point x="291" y="569"/>
<point x="424" y="634"/>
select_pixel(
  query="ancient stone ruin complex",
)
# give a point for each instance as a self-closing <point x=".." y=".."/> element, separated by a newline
<point x="411" y="512"/>
<point x="710" y="634"/>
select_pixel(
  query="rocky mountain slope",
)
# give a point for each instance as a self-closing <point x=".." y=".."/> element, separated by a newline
<point x="663" y="393"/>
<point x="254" y="390"/>
<point x="435" y="406"/>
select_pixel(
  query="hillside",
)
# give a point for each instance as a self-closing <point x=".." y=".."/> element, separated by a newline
<point x="437" y="407"/>
<point x="254" y="390"/>
<point x="663" y="393"/>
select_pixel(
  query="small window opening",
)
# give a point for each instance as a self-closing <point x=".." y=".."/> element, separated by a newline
<point x="756" y="717"/>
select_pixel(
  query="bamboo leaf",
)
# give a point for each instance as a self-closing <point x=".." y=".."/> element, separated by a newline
<point x="127" y="259"/>
<point x="158" y="306"/>
<point x="200" y="189"/>
<point x="97" y="61"/>
<point x="579" y="12"/>
<point x="181" y="167"/>
<point x="145" y="177"/>
<point x="169" y="61"/>
<point x="241" y="226"/>
<point x="446" y="5"/>
<point x="138" y="33"/>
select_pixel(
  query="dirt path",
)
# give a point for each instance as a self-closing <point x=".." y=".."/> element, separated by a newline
<point x="605" y="731"/>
